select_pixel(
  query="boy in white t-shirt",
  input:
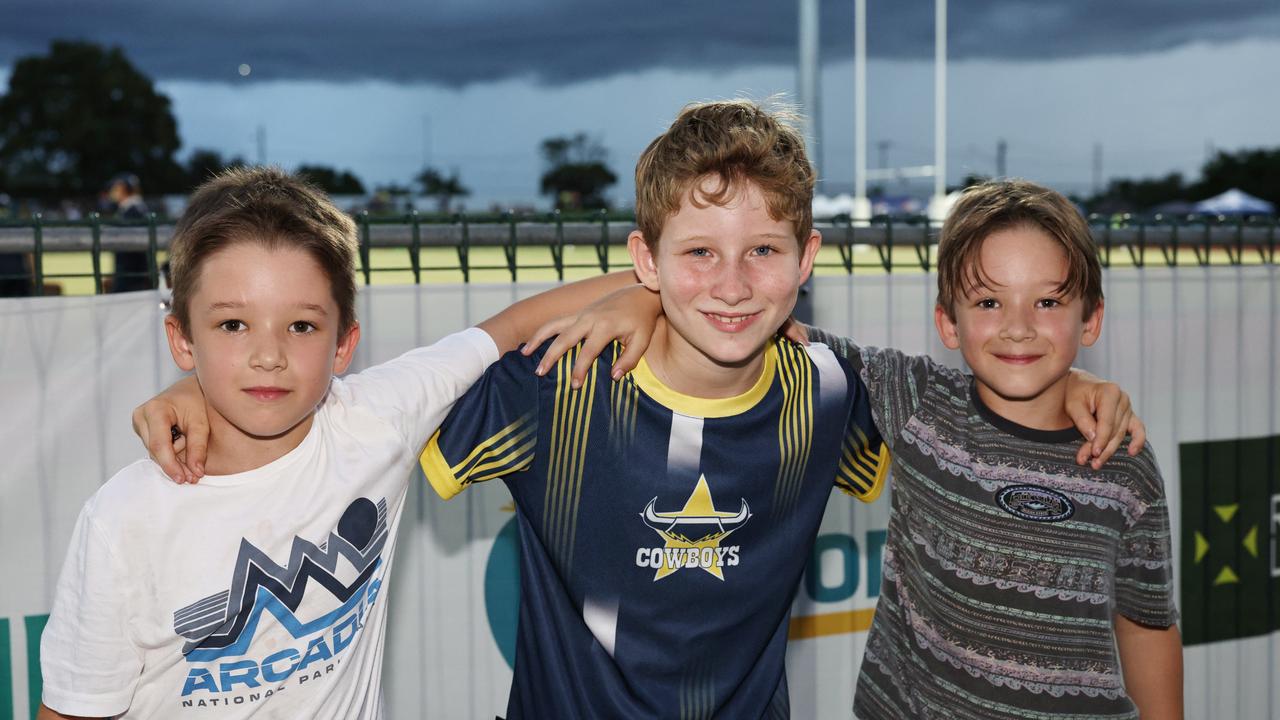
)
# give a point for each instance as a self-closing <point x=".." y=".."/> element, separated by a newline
<point x="262" y="588"/>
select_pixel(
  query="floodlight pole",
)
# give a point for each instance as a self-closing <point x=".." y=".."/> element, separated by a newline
<point x="808" y="67"/>
<point x="938" y="201"/>
<point x="809" y="76"/>
<point x="861" y="205"/>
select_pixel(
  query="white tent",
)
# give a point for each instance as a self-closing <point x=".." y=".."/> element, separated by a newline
<point x="1235" y="202"/>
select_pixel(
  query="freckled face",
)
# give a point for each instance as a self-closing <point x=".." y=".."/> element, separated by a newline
<point x="728" y="277"/>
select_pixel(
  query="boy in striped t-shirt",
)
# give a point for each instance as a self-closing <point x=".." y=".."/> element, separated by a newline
<point x="1012" y="574"/>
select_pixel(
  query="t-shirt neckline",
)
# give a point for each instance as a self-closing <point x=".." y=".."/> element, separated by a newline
<point x="275" y="466"/>
<point x="1051" y="437"/>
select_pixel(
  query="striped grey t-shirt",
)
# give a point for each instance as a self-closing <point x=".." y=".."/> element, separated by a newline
<point x="1005" y="562"/>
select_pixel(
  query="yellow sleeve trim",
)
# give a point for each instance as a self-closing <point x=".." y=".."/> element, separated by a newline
<point x="882" y="471"/>
<point x="437" y="469"/>
<point x="882" y="461"/>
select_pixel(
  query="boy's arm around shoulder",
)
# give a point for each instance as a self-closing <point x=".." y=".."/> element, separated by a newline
<point x="894" y="381"/>
<point x="414" y="392"/>
<point x="522" y="319"/>
<point x="863" y="462"/>
<point x="491" y="431"/>
<point x="182" y="405"/>
<point x="1100" y="410"/>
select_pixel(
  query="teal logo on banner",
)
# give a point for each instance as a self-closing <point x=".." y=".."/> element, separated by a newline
<point x="1230" y="526"/>
<point x="502" y="589"/>
<point x="34" y="626"/>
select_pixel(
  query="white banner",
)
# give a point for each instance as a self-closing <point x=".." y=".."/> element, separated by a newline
<point x="1197" y="348"/>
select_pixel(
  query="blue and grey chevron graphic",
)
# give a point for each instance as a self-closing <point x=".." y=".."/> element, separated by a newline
<point x="223" y="624"/>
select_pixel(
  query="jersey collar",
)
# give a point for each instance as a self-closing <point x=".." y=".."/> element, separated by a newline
<point x="707" y="407"/>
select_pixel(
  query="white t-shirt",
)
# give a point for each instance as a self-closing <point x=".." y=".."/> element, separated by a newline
<point x="257" y="592"/>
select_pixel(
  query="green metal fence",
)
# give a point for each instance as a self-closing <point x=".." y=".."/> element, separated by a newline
<point x="77" y="257"/>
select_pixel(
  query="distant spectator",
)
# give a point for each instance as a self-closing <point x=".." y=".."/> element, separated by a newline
<point x="125" y="192"/>
<point x="71" y="210"/>
<point x="15" y="272"/>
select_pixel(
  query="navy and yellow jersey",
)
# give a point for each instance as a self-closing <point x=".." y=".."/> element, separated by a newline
<point x="662" y="536"/>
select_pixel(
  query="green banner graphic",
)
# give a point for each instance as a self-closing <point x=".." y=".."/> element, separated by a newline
<point x="1230" y="527"/>
<point x="6" y="673"/>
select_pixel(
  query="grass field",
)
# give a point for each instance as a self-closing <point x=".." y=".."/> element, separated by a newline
<point x="73" y="272"/>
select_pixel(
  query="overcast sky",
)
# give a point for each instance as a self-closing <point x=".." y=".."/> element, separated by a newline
<point x="382" y="88"/>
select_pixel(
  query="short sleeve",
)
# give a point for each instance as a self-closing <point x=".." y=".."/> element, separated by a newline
<point x="414" y="391"/>
<point x="89" y="663"/>
<point x="491" y="431"/>
<point x="894" y="380"/>
<point x="864" y="459"/>
<point x="1144" y="564"/>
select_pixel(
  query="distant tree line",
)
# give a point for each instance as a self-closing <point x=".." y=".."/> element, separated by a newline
<point x="1256" y="172"/>
<point x="76" y="117"/>
<point x="82" y="114"/>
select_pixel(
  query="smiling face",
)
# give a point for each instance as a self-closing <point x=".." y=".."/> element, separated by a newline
<point x="728" y="276"/>
<point x="1019" y="334"/>
<point x="264" y="342"/>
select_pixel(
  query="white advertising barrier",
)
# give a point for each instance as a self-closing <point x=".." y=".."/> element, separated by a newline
<point x="1197" y="348"/>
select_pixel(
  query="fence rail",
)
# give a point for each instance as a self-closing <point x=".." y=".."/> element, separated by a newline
<point x="896" y="242"/>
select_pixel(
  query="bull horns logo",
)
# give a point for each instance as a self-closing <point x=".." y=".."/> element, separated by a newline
<point x="694" y="532"/>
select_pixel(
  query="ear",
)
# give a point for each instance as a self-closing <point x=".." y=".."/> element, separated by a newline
<point x="642" y="257"/>
<point x="809" y="253"/>
<point x="179" y="344"/>
<point x="946" y="328"/>
<point x="346" y="349"/>
<point x="1092" y="327"/>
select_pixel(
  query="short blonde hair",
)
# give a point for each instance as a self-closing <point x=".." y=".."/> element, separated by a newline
<point x="731" y="142"/>
<point x="990" y="207"/>
<point x="270" y="207"/>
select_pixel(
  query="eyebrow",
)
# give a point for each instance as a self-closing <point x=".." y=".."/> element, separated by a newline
<point x="235" y="305"/>
<point x="761" y="236"/>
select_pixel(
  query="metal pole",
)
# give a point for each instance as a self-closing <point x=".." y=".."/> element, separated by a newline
<point x="808" y="65"/>
<point x="861" y="205"/>
<point x="809" y="105"/>
<point x="939" y="110"/>
<point x="1097" y="168"/>
<point x="426" y="141"/>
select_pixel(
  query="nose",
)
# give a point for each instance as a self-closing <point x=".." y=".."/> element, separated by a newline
<point x="268" y="353"/>
<point x="1018" y="325"/>
<point x="732" y="284"/>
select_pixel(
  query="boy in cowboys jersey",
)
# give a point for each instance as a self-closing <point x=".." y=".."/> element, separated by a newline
<point x="665" y="519"/>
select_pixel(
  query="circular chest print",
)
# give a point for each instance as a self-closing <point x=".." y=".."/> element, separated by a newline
<point x="1032" y="502"/>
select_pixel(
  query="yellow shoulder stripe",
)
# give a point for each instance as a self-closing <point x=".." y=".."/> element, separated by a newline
<point x="437" y="469"/>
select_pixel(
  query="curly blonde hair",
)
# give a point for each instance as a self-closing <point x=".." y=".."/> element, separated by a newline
<point x="730" y="143"/>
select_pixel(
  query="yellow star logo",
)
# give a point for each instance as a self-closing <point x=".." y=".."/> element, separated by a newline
<point x="693" y="534"/>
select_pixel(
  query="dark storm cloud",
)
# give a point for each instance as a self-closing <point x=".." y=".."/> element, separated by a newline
<point x="457" y="42"/>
